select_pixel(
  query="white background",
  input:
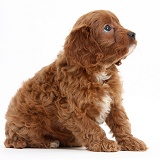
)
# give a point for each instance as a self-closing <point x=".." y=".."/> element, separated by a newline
<point x="32" y="32"/>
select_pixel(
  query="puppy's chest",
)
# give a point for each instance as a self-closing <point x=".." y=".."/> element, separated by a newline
<point x="104" y="104"/>
<point x="104" y="108"/>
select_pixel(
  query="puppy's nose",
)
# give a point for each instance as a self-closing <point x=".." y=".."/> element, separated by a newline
<point x="132" y="35"/>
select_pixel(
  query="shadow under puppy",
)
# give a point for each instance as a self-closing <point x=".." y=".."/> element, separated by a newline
<point x="64" y="103"/>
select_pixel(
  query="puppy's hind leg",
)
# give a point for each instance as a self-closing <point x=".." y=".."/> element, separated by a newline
<point x="43" y="141"/>
<point x="54" y="144"/>
<point x="13" y="140"/>
<point x="23" y="137"/>
<point x="19" y="143"/>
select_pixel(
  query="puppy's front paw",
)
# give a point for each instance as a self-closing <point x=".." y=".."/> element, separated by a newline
<point x="104" y="146"/>
<point x="132" y="144"/>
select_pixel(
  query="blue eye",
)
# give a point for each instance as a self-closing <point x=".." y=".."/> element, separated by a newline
<point x="107" y="28"/>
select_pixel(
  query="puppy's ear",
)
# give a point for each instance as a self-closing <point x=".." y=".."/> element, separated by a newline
<point x="82" y="48"/>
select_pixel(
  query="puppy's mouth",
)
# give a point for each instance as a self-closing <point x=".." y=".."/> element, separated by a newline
<point x="118" y="63"/>
<point x="131" y="48"/>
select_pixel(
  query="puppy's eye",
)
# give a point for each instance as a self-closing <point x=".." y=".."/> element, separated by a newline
<point x="107" y="28"/>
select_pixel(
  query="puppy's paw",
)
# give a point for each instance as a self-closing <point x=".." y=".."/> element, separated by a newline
<point x="19" y="143"/>
<point x="132" y="144"/>
<point x="54" y="144"/>
<point x="104" y="146"/>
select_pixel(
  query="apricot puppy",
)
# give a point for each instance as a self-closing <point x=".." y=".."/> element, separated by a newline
<point x="64" y="103"/>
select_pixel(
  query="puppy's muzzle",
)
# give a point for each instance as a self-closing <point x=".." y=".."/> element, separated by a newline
<point x="132" y="35"/>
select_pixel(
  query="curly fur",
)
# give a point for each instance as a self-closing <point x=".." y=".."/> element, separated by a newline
<point x="64" y="103"/>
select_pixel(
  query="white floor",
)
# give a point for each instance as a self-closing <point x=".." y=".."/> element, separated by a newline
<point x="76" y="154"/>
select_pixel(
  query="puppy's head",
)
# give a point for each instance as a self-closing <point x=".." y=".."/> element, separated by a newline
<point x="97" y="38"/>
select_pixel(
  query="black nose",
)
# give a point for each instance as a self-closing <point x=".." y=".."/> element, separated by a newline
<point x="132" y="35"/>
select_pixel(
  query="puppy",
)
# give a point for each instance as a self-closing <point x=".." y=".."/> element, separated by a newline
<point x="64" y="103"/>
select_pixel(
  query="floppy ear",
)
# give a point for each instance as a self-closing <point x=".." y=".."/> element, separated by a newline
<point x="81" y="47"/>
